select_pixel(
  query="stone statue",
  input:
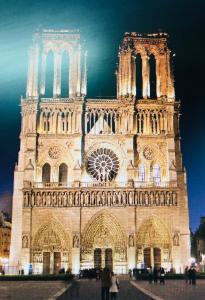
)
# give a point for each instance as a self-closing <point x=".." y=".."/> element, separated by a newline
<point x="25" y="241"/>
<point x="176" y="239"/>
<point x="76" y="241"/>
<point x="131" y="240"/>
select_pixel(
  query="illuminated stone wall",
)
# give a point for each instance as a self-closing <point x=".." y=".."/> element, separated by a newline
<point x="101" y="174"/>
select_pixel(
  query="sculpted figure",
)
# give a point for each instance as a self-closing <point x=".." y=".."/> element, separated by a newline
<point x="131" y="240"/>
<point x="25" y="241"/>
<point x="76" y="199"/>
<point x="87" y="198"/>
<point x="174" y="198"/>
<point x="130" y="198"/>
<point x="76" y="241"/>
<point x="65" y="199"/>
<point x="93" y="198"/>
<point x="32" y="199"/>
<point x="60" y="199"/>
<point x="124" y="198"/>
<point x="98" y="198"/>
<point x="109" y="198"/>
<point x="26" y="199"/>
<point x="146" y="198"/>
<point x="176" y="239"/>
<point x="103" y="198"/>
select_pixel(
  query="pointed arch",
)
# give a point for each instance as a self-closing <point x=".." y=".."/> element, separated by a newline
<point x="65" y="74"/>
<point x="153" y="78"/>
<point x="51" y="236"/>
<point x="153" y="233"/>
<point x="103" y="230"/>
<point x="63" y="173"/>
<point x="46" y="173"/>
<point x="49" y="74"/>
<point x="138" y="76"/>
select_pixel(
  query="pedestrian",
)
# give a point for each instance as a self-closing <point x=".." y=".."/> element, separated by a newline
<point x="155" y="275"/>
<point x="130" y="273"/>
<point x="150" y="275"/>
<point x="193" y="275"/>
<point x="186" y="274"/>
<point x="190" y="275"/>
<point x="114" y="288"/>
<point x="162" y="276"/>
<point x="105" y="284"/>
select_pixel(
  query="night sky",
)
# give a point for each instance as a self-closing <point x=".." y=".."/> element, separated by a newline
<point x="102" y="24"/>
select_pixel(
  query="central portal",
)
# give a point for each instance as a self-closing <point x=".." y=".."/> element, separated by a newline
<point x="103" y="258"/>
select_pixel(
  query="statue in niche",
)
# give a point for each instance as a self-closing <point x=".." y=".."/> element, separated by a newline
<point x="162" y="198"/>
<point x="131" y="240"/>
<point x="25" y="241"/>
<point x="76" y="199"/>
<point x="98" y="198"/>
<point x="114" y="199"/>
<point x="168" y="198"/>
<point x="152" y="198"/>
<point x="93" y="198"/>
<point x="109" y="198"/>
<point x="157" y="198"/>
<point x="176" y="239"/>
<point x="60" y="200"/>
<point x="174" y="198"/>
<point x="130" y="198"/>
<point x="82" y="199"/>
<point x="87" y="199"/>
<point x="76" y="241"/>
<point x="136" y="197"/>
<point x="103" y="198"/>
<point x="65" y="199"/>
<point x="146" y="198"/>
<point x="124" y="198"/>
<point x="26" y="199"/>
<point x="32" y="199"/>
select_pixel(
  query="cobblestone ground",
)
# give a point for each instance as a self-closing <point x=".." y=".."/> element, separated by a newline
<point x="90" y="290"/>
<point x="176" y="290"/>
<point x="29" y="290"/>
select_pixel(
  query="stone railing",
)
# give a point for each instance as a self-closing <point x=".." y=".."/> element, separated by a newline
<point x="79" y="184"/>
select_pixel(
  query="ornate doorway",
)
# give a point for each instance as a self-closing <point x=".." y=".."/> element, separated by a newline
<point x="152" y="257"/>
<point x="46" y="262"/>
<point x="147" y="258"/>
<point x="108" y="259"/>
<point x="57" y="262"/>
<point x="104" y="244"/>
<point x="98" y="258"/>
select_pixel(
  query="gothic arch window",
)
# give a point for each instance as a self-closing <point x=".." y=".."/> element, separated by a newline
<point x="63" y="173"/>
<point x="141" y="175"/>
<point x="156" y="174"/>
<point x="65" y="75"/>
<point x="49" y="74"/>
<point x="46" y="173"/>
<point x="138" y="76"/>
<point x="152" y="64"/>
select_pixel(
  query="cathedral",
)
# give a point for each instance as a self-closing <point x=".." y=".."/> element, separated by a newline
<point x="99" y="182"/>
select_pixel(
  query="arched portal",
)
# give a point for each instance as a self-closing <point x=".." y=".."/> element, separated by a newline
<point x="153" y="244"/>
<point x="104" y="243"/>
<point x="51" y="248"/>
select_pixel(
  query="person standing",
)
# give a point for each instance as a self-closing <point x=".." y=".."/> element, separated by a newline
<point x="155" y="275"/>
<point x="186" y="274"/>
<point x="105" y="284"/>
<point x="114" y="288"/>
<point x="162" y="275"/>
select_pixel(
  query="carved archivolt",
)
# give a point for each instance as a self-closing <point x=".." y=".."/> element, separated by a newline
<point x="153" y="233"/>
<point x="51" y="237"/>
<point x="103" y="231"/>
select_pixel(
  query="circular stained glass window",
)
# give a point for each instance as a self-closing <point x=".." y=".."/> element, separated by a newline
<point x="103" y="165"/>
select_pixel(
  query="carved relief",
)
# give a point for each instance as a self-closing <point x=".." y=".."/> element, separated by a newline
<point x="148" y="153"/>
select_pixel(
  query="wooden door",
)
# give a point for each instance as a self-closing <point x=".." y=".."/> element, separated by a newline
<point x="97" y="258"/>
<point x="57" y="262"/>
<point x="108" y="259"/>
<point x="147" y="257"/>
<point x="46" y="262"/>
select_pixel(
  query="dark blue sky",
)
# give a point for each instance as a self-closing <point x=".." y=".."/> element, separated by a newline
<point x="102" y="24"/>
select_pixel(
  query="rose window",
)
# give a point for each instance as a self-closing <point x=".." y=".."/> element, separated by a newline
<point x="103" y="165"/>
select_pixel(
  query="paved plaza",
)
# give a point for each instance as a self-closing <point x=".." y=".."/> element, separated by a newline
<point x="29" y="290"/>
<point x="176" y="290"/>
<point x="90" y="290"/>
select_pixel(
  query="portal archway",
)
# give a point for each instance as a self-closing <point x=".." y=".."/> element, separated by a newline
<point x="104" y="243"/>
<point x="51" y="248"/>
<point x="153" y="244"/>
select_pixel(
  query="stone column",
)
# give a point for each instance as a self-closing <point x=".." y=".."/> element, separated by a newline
<point x="32" y="81"/>
<point x="57" y="75"/>
<point x="43" y="73"/>
<point x="133" y="76"/>
<point x="79" y="72"/>
<point x="84" y="76"/>
<point x="145" y="77"/>
<point x="158" y="78"/>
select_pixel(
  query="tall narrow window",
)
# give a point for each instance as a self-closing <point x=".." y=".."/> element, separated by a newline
<point x="138" y="76"/>
<point x="156" y="174"/>
<point x="153" y="81"/>
<point x="49" y="74"/>
<point x="63" y="173"/>
<point x="65" y="75"/>
<point x="46" y="173"/>
<point x="141" y="175"/>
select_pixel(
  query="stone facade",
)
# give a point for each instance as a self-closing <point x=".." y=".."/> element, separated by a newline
<point x="100" y="182"/>
<point x="5" y="240"/>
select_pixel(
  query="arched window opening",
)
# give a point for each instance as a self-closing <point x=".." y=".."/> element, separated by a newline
<point x="49" y="74"/>
<point x="63" y="173"/>
<point x="141" y="174"/>
<point x="46" y="173"/>
<point x="153" y="79"/>
<point x="65" y="75"/>
<point x="156" y="174"/>
<point x="138" y="76"/>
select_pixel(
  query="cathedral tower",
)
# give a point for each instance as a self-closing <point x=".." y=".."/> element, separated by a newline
<point x="99" y="182"/>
